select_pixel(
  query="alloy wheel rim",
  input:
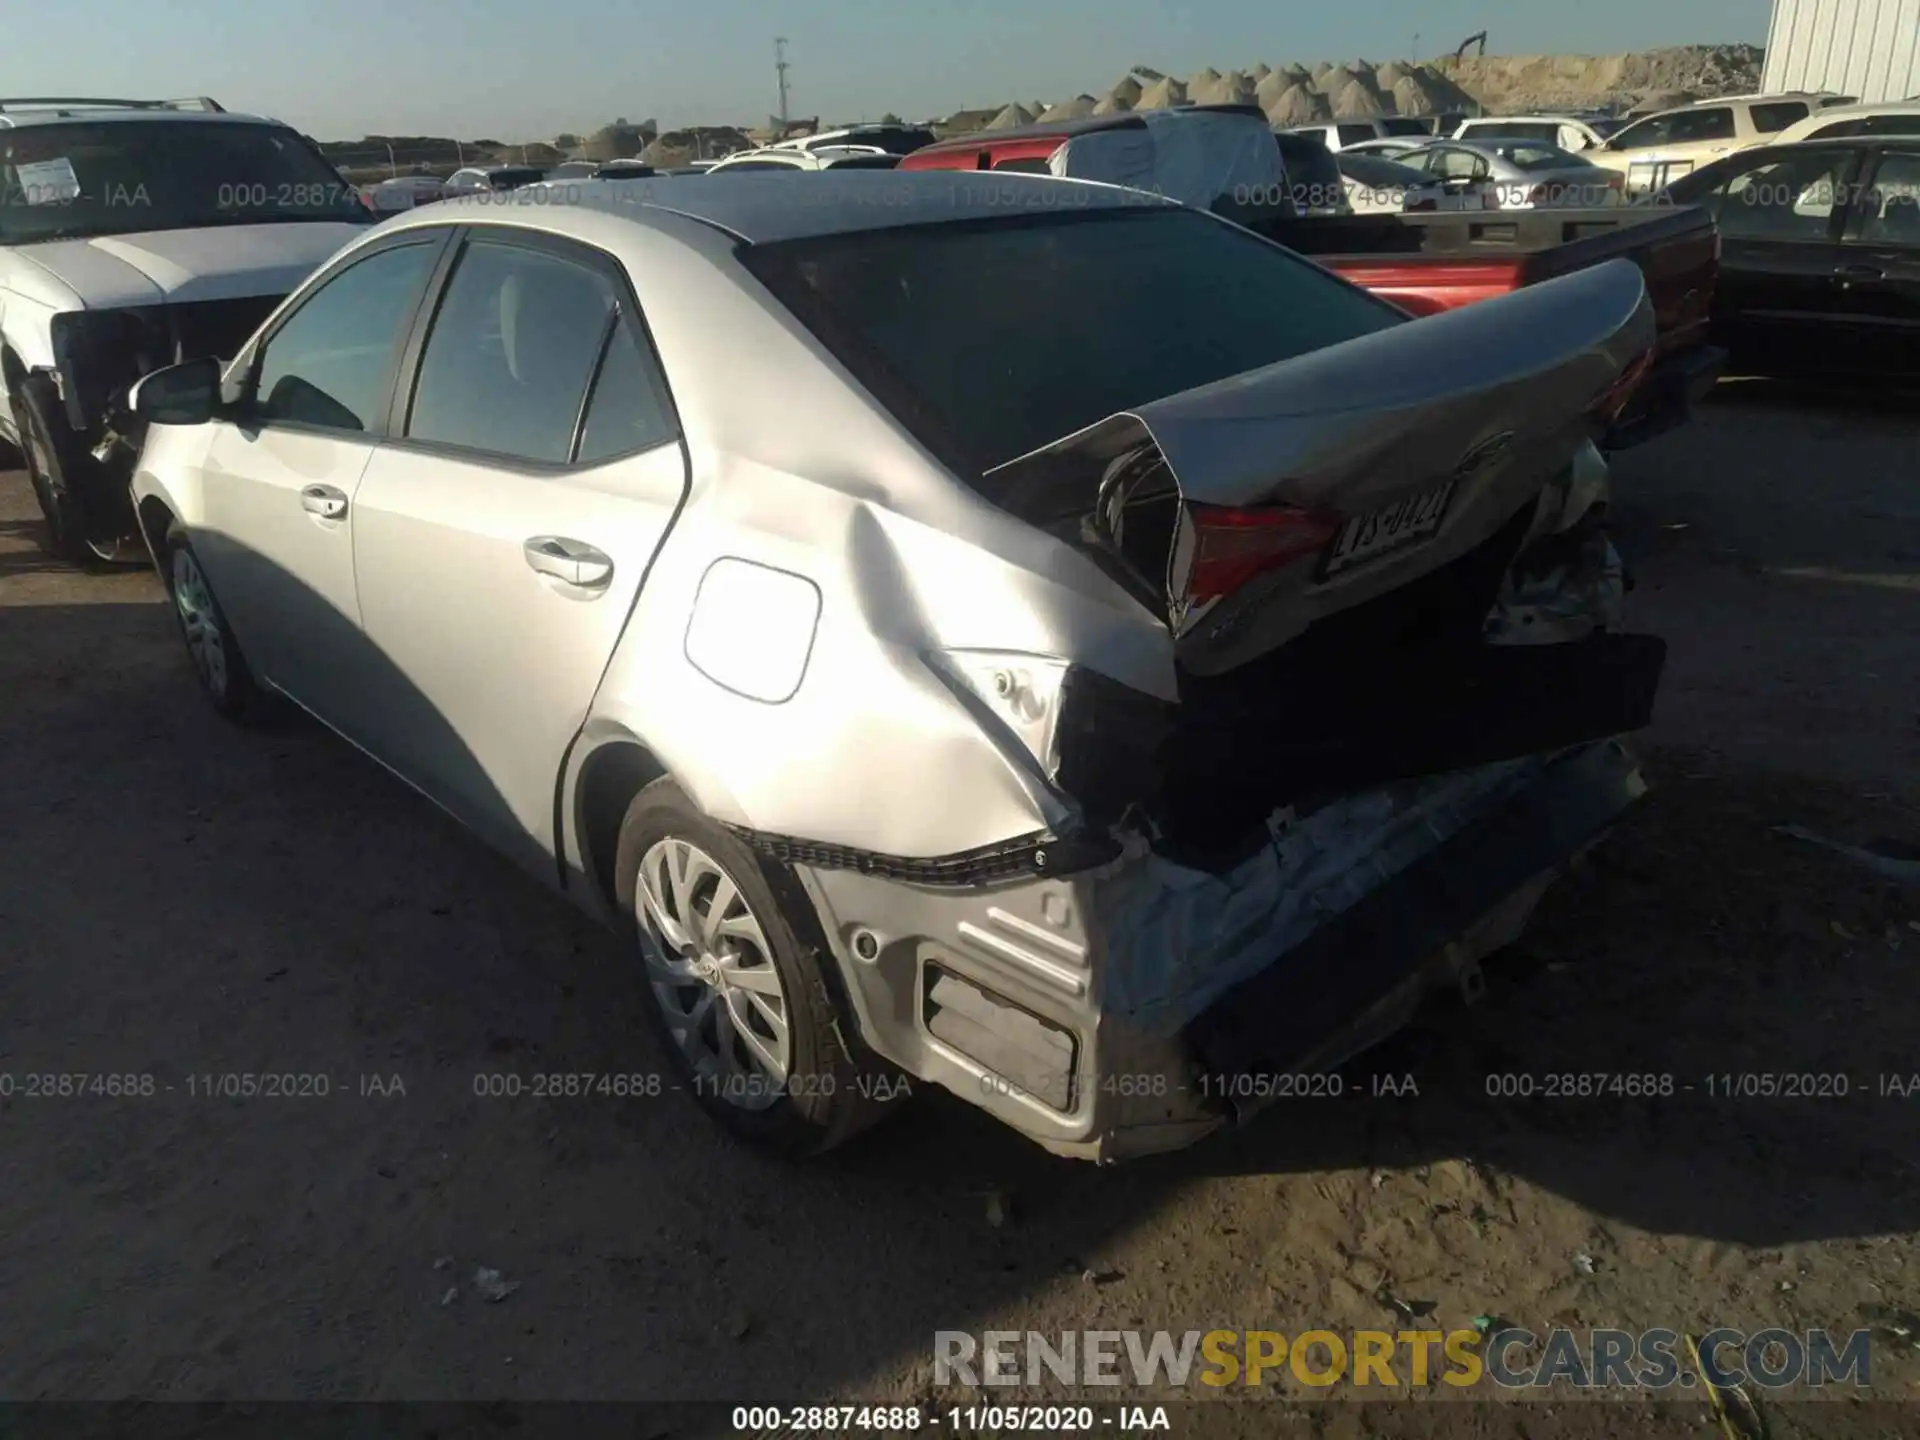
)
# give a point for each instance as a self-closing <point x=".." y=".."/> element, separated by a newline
<point x="713" y="973"/>
<point x="199" y="622"/>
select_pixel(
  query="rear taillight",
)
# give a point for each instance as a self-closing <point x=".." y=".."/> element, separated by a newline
<point x="1539" y="194"/>
<point x="1231" y="545"/>
<point x="1609" y="406"/>
<point x="1489" y="200"/>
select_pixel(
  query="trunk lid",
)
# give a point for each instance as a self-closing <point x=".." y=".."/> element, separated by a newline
<point x="1249" y="508"/>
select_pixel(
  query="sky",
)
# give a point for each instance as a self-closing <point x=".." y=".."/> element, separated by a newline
<point x="340" y="69"/>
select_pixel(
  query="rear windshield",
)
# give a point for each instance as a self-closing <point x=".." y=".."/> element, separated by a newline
<point x="118" y="177"/>
<point x="1540" y="157"/>
<point x="1513" y="130"/>
<point x="988" y="339"/>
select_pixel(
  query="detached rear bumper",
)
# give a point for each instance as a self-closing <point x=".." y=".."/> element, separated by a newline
<point x="1667" y="396"/>
<point x="1116" y="1013"/>
<point x="1360" y="977"/>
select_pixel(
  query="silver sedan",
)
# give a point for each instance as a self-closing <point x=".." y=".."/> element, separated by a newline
<point x="1520" y="174"/>
<point x="1055" y="646"/>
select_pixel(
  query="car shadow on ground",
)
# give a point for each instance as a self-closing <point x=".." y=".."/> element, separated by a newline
<point x="192" y="900"/>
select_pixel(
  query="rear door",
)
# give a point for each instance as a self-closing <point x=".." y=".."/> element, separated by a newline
<point x="1879" y="270"/>
<point x="501" y="538"/>
<point x="280" y="481"/>
<point x="1780" y="218"/>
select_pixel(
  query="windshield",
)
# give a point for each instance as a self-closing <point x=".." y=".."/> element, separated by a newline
<point x="988" y="339"/>
<point x="118" y="177"/>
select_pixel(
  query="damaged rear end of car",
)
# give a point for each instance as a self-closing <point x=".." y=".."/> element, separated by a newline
<point x="1394" y="619"/>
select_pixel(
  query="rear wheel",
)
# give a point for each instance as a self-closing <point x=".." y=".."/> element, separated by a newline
<point x="737" y="983"/>
<point x="210" y="642"/>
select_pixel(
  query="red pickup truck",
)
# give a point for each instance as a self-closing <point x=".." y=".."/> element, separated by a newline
<point x="1427" y="263"/>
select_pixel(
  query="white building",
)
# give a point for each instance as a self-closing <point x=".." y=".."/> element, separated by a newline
<point x="1869" y="49"/>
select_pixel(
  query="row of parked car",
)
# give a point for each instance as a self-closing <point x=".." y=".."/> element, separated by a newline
<point x="1018" y="633"/>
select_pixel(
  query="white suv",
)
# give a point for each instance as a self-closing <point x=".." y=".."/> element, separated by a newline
<point x="134" y="234"/>
<point x="1654" y="152"/>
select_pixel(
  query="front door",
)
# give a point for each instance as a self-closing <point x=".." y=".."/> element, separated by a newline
<point x="279" y="482"/>
<point x="501" y="540"/>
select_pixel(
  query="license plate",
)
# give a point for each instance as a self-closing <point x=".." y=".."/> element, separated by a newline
<point x="1407" y="521"/>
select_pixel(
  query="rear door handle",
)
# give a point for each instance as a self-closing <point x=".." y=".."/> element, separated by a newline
<point x="325" y="501"/>
<point x="569" y="561"/>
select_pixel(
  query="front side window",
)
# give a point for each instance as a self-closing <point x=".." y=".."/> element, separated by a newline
<point x="1457" y="165"/>
<point x="330" y="363"/>
<point x="1792" y="197"/>
<point x="1697" y="127"/>
<point x="987" y="339"/>
<point x="81" y="179"/>
<point x="514" y="342"/>
<point x="1655" y="130"/>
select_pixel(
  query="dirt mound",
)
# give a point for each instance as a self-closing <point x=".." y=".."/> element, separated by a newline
<point x="1078" y="108"/>
<point x="1297" y="105"/>
<point x="1359" y="100"/>
<point x="1011" y="118"/>
<point x="1230" y="89"/>
<point x="1162" y="95"/>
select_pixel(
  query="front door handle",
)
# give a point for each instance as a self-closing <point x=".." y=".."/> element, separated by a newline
<point x="569" y="561"/>
<point x="1860" y="272"/>
<point x="324" y="501"/>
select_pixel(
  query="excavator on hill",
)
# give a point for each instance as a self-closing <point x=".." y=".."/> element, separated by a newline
<point x="1481" y="40"/>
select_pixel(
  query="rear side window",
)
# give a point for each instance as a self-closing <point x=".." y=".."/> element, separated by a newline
<point x="1889" y="210"/>
<point x="1355" y="134"/>
<point x="628" y="409"/>
<point x="1403" y="125"/>
<point x="1888" y="125"/>
<point x="514" y="342"/>
<point x="330" y="363"/>
<point x="1772" y="118"/>
<point x="987" y="339"/>
<point x="1031" y="165"/>
<point x="1839" y="129"/>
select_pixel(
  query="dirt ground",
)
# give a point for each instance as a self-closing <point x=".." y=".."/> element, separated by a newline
<point x="179" y="900"/>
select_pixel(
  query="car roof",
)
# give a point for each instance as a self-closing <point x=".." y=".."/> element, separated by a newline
<point x="1092" y="124"/>
<point x="759" y="207"/>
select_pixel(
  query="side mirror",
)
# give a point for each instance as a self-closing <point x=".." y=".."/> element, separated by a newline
<point x="186" y="394"/>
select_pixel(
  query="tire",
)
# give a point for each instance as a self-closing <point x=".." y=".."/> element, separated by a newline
<point x="821" y="1091"/>
<point x="217" y="660"/>
<point x="50" y="466"/>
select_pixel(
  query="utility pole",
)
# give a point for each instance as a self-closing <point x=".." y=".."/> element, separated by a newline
<point x="1416" y="46"/>
<point x="780" y="69"/>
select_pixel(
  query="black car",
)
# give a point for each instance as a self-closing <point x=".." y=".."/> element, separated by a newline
<point x="1313" y="174"/>
<point x="1820" y="255"/>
